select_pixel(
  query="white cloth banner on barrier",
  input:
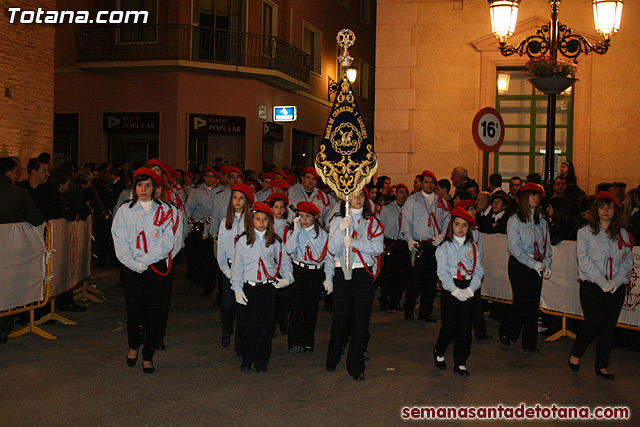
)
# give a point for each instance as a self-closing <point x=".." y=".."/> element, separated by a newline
<point x="71" y="254"/>
<point x="22" y="260"/>
<point x="562" y="291"/>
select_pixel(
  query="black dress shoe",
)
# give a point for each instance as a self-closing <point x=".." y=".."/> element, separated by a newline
<point x="330" y="366"/>
<point x="132" y="361"/>
<point x="439" y="364"/>
<point x="575" y="367"/>
<point x="245" y="366"/>
<point x="293" y="349"/>
<point x="605" y="376"/>
<point x="461" y="370"/>
<point x="161" y="346"/>
<point x="226" y="340"/>
<point x="358" y="377"/>
<point x="483" y="337"/>
<point x="284" y="329"/>
<point x="505" y="340"/>
<point x="307" y="349"/>
<point x="408" y="315"/>
<point x="261" y="369"/>
<point x="146" y="370"/>
<point x="531" y="348"/>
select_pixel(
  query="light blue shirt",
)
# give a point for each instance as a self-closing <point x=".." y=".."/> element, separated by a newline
<point x="418" y="224"/>
<point x="129" y="223"/>
<point x="449" y="255"/>
<point x="300" y="240"/>
<point x="278" y="226"/>
<point x="523" y="237"/>
<point x="390" y="217"/>
<point x="247" y="265"/>
<point x="200" y="203"/>
<point x="220" y="205"/>
<point x="227" y="241"/>
<point x="318" y="198"/>
<point x="594" y="252"/>
<point x="369" y="248"/>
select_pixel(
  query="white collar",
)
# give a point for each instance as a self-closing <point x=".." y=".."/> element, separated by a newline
<point x="487" y="211"/>
<point x="460" y="240"/>
<point x="308" y="229"/>
<point x="146" y="205"/>
<point x="356" y="211"/>
<point x="497" y="216"/>
<point x="430" y="197"/>
<point x="260" y="233"/>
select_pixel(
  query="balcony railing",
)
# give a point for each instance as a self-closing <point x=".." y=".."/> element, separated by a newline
<point x="171" y="42"/>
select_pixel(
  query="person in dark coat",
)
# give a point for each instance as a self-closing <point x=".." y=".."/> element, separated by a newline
<point x="632" y="214"/>
<point x="498" y="218"/>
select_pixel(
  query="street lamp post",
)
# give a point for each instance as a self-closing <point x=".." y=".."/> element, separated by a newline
<point x="553" y="39"/>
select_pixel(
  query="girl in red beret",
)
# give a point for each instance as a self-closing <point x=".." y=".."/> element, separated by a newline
<point x="307" y="246"/>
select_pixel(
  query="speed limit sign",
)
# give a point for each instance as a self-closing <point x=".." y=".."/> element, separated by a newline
<point x="488" y="129"/>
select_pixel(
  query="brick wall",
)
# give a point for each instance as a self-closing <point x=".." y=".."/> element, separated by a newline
<point x="26" y="83"/>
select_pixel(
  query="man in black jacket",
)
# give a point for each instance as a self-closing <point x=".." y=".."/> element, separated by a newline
<point x="16" y="206"/>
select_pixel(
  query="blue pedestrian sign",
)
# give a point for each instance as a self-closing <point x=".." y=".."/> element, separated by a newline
<point x="285" y="114"/>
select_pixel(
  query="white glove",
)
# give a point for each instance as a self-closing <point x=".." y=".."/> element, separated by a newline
<point x="348" y="241"/>
<point x="610" y="287"/>
<point x="280" y="283"/>
<point x="539" y="267"/>
<point x="437" y="240"/>
<point x="328" y="286"/>
<point x="296" y="224"/>
<point x="228" y="274"/>
<point x="546" y="273"/>
<point x="460" y="294"/>
<point x="469" y="292"/>
<point x="141" y="267"/>
<point x="346" y="222"/>
<point x="241" y="298"/>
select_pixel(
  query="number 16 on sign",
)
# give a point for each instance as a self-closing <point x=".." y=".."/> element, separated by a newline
<point x="488" y="129"/>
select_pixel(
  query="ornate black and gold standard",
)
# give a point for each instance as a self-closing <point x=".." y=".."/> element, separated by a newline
<point x="346" y="160"/>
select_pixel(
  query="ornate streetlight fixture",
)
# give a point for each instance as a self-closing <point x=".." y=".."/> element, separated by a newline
<point x="553" y="39"/>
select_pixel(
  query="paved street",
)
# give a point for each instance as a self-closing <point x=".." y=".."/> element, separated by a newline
<point x="82" y="378"/>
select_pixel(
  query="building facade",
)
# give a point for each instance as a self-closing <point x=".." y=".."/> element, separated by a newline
<point x="437" y="64"/>
<point x="201" y="80"/>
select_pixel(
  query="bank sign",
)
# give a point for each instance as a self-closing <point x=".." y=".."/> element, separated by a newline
<point x="220" y="125"/>
<point x="131" y="122"/>
<point x="285" y="114"/>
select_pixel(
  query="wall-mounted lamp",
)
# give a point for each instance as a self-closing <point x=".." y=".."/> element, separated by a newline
<point x="503" y="83"/>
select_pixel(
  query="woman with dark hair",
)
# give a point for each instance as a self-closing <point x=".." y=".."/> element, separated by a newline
<point x="259" y="259"/>
<point x="605" y="261"/>
<point x="632" y="213"/>
<point x="144" y="235"/>
<point x="498" y="217"/>
<point x="232" y="226"/>
<point x="562" y="226"/>
<point x="353" y="282"/>
<point x="530" y="248"/>
<point x="460" y="270"/>
<point x="569" y="172"/>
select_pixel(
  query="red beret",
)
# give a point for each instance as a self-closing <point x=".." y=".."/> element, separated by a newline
<point x="307" y="207"/>
<point x="402" y="186"/>
<point x="274" y="196"/>
<point x="262" y="207"/>
<point x="189" y="174"/>
<point x="461" y="213"/>
<point x="151" y="173"/>
<point x="429" y="174"/>
<point x="280" y="172"/>
<point x="607" y="195"/>
<point x="291" y="179"/>
<point x="279" y="183"/>
<point x="244" y="189"/>
<point x="170" y="169"/>
<point x="210" y="169"/>
<point x="268" y="175"/>
<point x="158" y="163"/>
<point x="531" y="186"/>
<point x="311" y="171"/>
<point x="226" y="169"/>
<point x="464" y="204"/>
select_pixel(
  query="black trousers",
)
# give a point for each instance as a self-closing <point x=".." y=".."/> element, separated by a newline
<point x="146" y="295"/>
<point x="526" y="285"/>
<point x="423" y="280"/>
<point x="601" y="310"/>
<point x="352" y="300"/>
<point x="305" y="293"/>
<point x="201" y="264"/>
<point x="282" y="306"/>
<point x="395" y="271"/>
<point x="456" y="325"/>
<point x="477" y="316"/>
<point x="255" y="321"/>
